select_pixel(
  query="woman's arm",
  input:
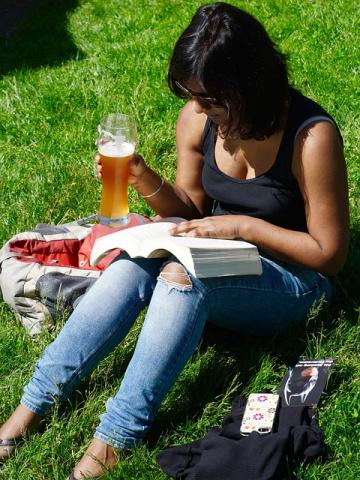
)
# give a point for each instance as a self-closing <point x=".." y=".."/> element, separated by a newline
<point x="187" y="197"/>
<point x="319" y="167"/>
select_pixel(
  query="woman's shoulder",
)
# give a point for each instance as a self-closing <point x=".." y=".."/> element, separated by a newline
<point x="318" y="147"/>
<point x="190" y="126"/>
<point x="319" y="134"/>
<point x="317" y="141"/>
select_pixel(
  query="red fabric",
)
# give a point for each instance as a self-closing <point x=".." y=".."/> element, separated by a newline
<point x="63" y="252"/>
<point x="71" y="252"/>
<point x="98" y="231"/>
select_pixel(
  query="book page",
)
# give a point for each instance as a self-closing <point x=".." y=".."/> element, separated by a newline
<point x="213" y="243"/>
<point x="142" y="233"/>
<point x="154" y="240"/>
<point x="130" y="239"/>
<point x="165" y="245"/>
<point x="150" y="230"/>
<point x="205" y="257"/>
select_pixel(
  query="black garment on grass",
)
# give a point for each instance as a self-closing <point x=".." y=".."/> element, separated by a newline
<point x="225" y="454"/>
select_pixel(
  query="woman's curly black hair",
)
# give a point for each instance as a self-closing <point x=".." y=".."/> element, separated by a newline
<point x="229" y="53"/>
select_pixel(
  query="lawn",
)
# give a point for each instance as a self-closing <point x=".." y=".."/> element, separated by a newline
<point x="65" y="66"/>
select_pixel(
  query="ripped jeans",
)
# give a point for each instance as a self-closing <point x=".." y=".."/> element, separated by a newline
<point x="179" y="306"/>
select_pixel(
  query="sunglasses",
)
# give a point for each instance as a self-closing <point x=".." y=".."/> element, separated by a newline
<point x="201" y="98"/>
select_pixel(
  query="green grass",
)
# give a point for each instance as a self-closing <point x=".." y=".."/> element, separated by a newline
<point x="67" y="65"/>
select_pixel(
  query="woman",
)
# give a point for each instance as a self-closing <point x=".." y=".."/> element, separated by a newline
<point x="256" y="161"/>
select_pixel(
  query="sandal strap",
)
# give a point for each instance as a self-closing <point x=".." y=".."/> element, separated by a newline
<point x="86" y="478"/>
<point x="9" y="442"/>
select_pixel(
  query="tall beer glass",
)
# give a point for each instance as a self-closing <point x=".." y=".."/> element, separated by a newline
<point x="116" y="145"/>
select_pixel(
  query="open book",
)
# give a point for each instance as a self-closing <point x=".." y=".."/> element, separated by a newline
<point x="203" y="257"/>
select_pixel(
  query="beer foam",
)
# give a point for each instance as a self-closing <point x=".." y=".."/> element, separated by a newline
<point x="112" y="149"/>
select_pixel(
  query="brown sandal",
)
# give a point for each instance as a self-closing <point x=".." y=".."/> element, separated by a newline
<point x="86" y="478"/>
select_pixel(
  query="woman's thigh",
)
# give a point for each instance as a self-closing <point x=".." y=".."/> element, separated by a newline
<point x="278" y="299"/>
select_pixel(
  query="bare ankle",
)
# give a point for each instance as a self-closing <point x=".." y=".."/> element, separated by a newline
<point x="98" y="458"/>
<point x="20" y="423"/>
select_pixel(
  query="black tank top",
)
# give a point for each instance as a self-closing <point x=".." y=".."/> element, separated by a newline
<point x="275" y="195"/>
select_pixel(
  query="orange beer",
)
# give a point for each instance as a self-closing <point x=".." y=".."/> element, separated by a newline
<point x="115" y="172"/>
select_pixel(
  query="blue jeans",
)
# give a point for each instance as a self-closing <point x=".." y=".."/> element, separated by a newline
<point x="175" y="319"/>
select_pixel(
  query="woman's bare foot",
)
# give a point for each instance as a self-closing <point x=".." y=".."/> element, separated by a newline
<point x="21" y="422"/>
<point x="98" y="458"/>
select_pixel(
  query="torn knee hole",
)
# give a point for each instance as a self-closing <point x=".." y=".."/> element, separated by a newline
<point x="175" y="273"/>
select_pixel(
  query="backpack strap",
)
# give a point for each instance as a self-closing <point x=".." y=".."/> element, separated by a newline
<point x="84" y="221"/>
<point x="76" y="229"/>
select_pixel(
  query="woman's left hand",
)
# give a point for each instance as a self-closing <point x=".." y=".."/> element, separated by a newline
<point x="223" y="226"/>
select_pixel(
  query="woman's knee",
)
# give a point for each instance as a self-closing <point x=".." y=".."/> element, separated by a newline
<point x="175" y="274"/>
<point x="127" y="268"/>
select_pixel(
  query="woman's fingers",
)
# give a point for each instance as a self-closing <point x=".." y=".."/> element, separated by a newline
<point x="193" y="228"/>
<point x="224" y="226"/>
<point x="137" y="168"/>
<point x="98" y="166"/>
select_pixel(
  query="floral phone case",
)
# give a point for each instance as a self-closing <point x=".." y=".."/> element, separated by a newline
<point x="260" y="412"/>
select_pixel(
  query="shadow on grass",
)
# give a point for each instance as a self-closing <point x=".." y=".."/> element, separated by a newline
<point x="347" y="282"/>
<point x="33" y="33"/>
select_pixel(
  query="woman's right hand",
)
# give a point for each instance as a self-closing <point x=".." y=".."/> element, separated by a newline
<point x="137" y="167"/>
<point x="98" y="166"/>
